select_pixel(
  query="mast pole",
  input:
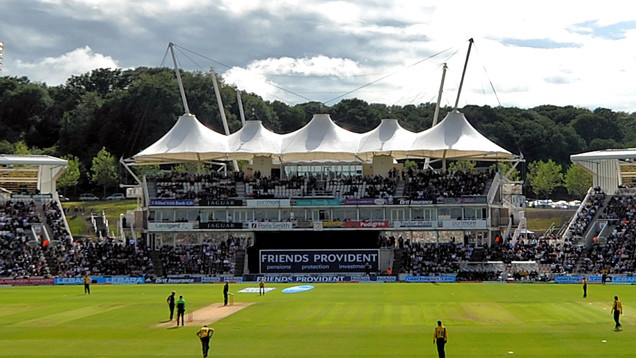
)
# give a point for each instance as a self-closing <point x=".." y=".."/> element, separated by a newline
<point x="461" y="83"/>
<point x="179" y="81"/>
<point x="240" y="106"/>
<point x="439" y="96"/>
<point x="427" y="161"/>
<point x="219" y="102"/>
<point x="222" y="110"/>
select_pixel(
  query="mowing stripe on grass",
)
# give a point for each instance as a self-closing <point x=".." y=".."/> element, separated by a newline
<point x="55" y="319"/>
<point x="488" y="312"/>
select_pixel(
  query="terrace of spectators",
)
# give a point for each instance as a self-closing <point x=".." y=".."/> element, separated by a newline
<point x="426" y="184"/>
<point x="19" y="256"/>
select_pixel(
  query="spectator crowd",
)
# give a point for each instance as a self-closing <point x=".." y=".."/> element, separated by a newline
<point x="22" y="252"/>
<point x="19" y="254"/>
<point x="418" y="185"/>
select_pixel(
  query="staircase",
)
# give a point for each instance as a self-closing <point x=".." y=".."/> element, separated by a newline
<point x="399" y="189"/>
<point x="579" y="262"/>
<point x="397" y="261"/>
<point x="100" y="224"/>
<point x="156" y="263"/>
<point x="152" y="189"/>
<point x="51" y="262"/>
<point x="239" y="263"/>
<point x="240" y="189"/>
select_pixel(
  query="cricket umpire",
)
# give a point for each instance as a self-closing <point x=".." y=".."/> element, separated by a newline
<point x="171" y="303"/>
<point x="440" y="336"/>
<point x="226" y="291"/>
<point x="181" y="308"/>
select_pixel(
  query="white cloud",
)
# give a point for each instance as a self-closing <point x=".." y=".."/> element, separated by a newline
<point x="56" y="70"/>
<point x="266" y="77"/>
<point x="532" y="53"/>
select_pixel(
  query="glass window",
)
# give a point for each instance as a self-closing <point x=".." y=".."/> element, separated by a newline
<point x="366" y="214"/>
<point x="377" y="214"/>
<point x="220" y="215"/>
<point x="443" y="214"/>
<point x="164" y="215"/>
<point x="273" y="214"/>
<point x="286" y="215"/>
<point x="260" y="214"/>
<point x="423" y="214"/>
<point x="456" y="214"/>
<point x="372" y="214"/>
<point x="345" y="213"/>
<point x="298" y="214"/>
<point x="472" y="213"/>
<point x="452" y="213"/>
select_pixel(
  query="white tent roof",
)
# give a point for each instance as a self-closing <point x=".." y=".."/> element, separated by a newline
<point x="388" y="138"/>
<point x="455" y="138"/>
<point x="321" y="138"/>
<point x="188" y="140"/>
<point x="253" y="139"/>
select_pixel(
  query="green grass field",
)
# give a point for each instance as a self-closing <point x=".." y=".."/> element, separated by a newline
<point x="332" y="320"/>
<point x="80" y="224"/>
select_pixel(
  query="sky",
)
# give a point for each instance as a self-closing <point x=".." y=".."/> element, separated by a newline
<point x="525" y="53"/>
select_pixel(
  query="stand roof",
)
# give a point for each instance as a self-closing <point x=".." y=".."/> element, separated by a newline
<point x="322" y="140"/>
<point x="455" y="138"/>
<point x="187" y="140"/>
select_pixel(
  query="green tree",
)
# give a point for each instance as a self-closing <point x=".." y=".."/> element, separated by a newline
<point x="104" y="170"/>
<point x="410" y="164"/>
<point x="21" y="148"/>
<point x="6" y="147"/>
<point x="465" y="166"/>
<point x="544" y="177"/>
<point x="355" y="115"/>
<point x="148" y="169"/>
<point x="71" y="175"/>
<point x="601" y="124"/>
<point x="577" y="181"/>
<point x="291" y="118"/>
<point x="187" y="168"/>
<point x="504" y="167"/>
<point x="22" y="105"/>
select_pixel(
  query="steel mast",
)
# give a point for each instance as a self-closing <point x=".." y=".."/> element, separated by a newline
<point x="179" y="81"/>
<point x="461" y="83"/>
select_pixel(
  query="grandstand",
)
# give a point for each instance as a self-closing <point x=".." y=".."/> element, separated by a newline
<point x="29" y="214"/>
<point x="325" y="190"/>
<point x="316" y="217"/>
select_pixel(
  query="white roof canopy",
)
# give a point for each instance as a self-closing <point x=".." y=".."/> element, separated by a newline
<point x="455" y="138"/>
<point x="253" y="139"/>
<point x="389" y="138"/>
<point x="322" y="140"/>
<point x="188" y="140"/>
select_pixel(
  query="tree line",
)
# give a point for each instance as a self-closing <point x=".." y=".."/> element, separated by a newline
<point x="114" y="113"/>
